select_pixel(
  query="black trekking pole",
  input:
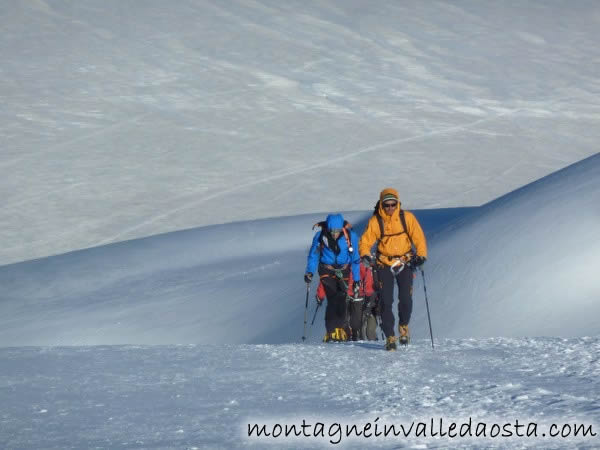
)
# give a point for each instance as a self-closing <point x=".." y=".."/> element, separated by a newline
<point x="313" y="320"/>
<point x="377" y="286"/>
<point x="427" y="304"/>
<point x="315" y="314"/>
<point x="306" y="310"/>
<point x="363" y="312"/>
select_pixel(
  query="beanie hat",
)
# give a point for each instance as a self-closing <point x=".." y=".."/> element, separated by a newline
<point x="388" y="194"/>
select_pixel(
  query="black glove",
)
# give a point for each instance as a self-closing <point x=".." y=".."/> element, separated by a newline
<point x="356" y="288"/>
<point x="367" y="260"/>
<point x="418" y="261"/>
<point x="319" y="301"/>
<point x="308" y="277"/>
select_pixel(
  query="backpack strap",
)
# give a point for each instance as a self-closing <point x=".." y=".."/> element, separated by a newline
<point x="402" y="221"/>
<point x="380" y="222"/>
<point x="381" y="228"/>
<point x="345" y="231"/>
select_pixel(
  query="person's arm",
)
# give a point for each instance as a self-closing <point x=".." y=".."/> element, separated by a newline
<point x="314" y="255"/>
<point x="368" y="238"/>
<point x="417" y="235"/>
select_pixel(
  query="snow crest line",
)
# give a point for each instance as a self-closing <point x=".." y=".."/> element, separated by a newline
<point x="287" y="173"/>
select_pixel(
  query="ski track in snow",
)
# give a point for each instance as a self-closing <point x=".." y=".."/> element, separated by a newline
<point x="184" y="205"/>
<point x="61" y="145"/>
<point x="249" y="82"/>
<point x="204" y="396"/>
<point x="286" y="173"/>
<point x="40" y="195"/>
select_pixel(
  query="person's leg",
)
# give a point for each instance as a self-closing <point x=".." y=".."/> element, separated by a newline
<point x="356" y="319"/>
<point x="335" y="313"/>
<point x="330" y="285"/>
<point x="369" y="319"/>
<point x="386" y="300"/>
<point x="405" y="303"/>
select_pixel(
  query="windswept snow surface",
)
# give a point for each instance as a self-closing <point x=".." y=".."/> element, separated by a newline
<point x="122" y="119"/>
<point x="205" y="396"/>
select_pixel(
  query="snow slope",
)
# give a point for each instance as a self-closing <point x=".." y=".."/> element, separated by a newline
<point x="493" y="271"/>
<point x="121" y="120"/>
<point x="525" y="264"/>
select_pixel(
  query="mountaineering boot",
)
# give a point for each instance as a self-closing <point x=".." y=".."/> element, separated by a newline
<point x="390" y="343"/>
<point x="404" y="338"/>
<point x="337" y="335"/>
<point x="340" y="335"/>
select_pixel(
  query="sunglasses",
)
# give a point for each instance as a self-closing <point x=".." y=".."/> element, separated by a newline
<point x="390" y="205"/>
<point x="335" y="230"/>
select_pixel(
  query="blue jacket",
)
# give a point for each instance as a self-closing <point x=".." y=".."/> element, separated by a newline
<point x="326" y="255"/>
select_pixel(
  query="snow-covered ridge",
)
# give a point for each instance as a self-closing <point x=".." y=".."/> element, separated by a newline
<point x="521" y="265"/>
<point x="525" y="264"/>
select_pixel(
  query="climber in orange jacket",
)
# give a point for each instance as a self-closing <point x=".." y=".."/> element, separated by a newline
<point x="400" y="248"/>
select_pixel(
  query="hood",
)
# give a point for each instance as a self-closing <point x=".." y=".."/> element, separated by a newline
<point x="335" y="221"/>
<point x="388" y="194"/>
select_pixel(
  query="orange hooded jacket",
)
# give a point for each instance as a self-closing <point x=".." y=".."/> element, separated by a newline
<point x="395" y="242"/>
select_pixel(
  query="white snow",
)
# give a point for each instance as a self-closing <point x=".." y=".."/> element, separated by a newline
<point x="125" y="120"/>
<point x="204" y="396"/>
<point x="525" y="264"/>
